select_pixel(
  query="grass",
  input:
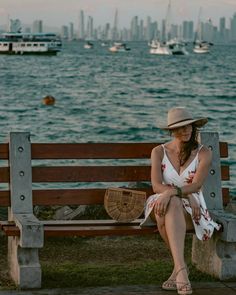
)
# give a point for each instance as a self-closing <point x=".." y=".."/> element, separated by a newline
<point x="103" y="261"/>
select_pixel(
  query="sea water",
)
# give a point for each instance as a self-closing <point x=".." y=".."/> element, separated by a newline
<point x="121" y="97"/>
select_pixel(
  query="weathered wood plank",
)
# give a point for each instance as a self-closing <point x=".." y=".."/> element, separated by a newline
<point x="101" y="230"/>
<point x="224" y="151"/>
<point x="85" y="196"/>
<point x="88" y="196"/>
<point x="91" y="173"/>
<point x="98" y="173"/>
<point x="93" y="150"/>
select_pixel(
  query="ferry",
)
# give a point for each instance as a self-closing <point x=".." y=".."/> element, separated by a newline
<point x="27" y="43"/>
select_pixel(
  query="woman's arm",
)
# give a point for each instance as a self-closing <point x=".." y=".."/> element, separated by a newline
<point x="205" y="157"/>
<point x="156" y="172"/>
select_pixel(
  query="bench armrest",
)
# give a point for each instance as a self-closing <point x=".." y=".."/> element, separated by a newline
<point x="31" y="230"/>
<point x="228" y="221"/>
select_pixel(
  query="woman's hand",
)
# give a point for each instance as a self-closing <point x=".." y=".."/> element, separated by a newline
<point x="196" y="213"/>
<point x="162" y="203"/>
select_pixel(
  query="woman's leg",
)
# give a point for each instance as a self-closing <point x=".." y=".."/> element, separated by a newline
<point x="170" y="283"/>
<point x="172" y="228"/>
<point x="175" y="227"/>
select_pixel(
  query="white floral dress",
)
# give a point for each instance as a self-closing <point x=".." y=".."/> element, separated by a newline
<point x="205" y="226"/>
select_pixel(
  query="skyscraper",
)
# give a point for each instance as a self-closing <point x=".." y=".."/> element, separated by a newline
<point x="89" y="33"/>
<point x="222" y="29"/>
<point x="115" y="33"/>
<point x="71" y="31"/>
<point x="37" y="26"/>
<point x="233" y="28"/>
<point x="14" y="25"/>
<point x="148" y="35"/>
<point x="134" y="29"/>
<point x="81" y="30"/>
<point x="188" y="30"/>
<point x="64" y="32"/>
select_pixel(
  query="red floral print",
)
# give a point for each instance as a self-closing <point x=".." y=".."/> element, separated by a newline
<point x="190" y="177"/>
<point x="163" y="167"/>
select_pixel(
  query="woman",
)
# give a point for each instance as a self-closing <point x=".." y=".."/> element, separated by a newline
<point x="179" y="168"/>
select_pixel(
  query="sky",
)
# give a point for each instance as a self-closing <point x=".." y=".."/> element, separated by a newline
<point x="61" y="12"/>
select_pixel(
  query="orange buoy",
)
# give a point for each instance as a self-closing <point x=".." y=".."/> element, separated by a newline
<point x="49" y="100"/>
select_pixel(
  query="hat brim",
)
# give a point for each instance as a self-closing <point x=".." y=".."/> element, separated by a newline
<point x="197" y="122"/>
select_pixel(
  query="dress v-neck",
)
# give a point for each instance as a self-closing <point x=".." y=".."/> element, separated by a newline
<point x="179" y="174"/>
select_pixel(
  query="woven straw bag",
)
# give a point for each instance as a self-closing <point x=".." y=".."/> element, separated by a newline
<point x="124" y="205"/>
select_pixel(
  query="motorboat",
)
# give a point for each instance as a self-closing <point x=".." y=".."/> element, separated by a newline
<point x="168" y="45"/>
<point x="177" y="47"/>
<point x="157" y="47"/>
<point x="172" y="47"/>
<point x="28" y="43"/>
<point x="119" y="47"/>
<point x="202" y="47"/>
<point x="104" y="44"/>
<point x="88" y="45"/>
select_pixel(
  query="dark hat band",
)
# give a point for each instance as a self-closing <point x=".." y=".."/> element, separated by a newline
<point x="180" y="122"/>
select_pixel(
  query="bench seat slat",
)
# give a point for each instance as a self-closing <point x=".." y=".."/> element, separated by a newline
<point x="96" y="222"/>
<point x="97" y="230"/>
<point x="83" y="222"/>
<point x="51" y="230"/>
<point x="86" y="230"/>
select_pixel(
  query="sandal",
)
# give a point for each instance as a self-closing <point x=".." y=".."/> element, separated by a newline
<point x="183" y="288"/>
<point x="169" y="285"/>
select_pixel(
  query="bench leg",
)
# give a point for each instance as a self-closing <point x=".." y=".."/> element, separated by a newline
<point x="25" y="269"/>
<point x="215" y="257"/>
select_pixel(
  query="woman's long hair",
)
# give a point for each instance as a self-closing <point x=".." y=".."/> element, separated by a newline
<point x="189" y="146"/>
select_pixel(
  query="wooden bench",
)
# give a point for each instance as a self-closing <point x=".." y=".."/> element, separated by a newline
<point x="36" y="179"/>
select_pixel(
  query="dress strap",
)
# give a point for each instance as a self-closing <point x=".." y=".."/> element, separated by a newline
<point x="164" y="150"/>
<point x="199" y="148"/>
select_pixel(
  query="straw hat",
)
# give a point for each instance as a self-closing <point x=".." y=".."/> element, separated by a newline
<point x="179" y="117"/>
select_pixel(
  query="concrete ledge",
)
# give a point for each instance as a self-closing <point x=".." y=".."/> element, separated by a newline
<point x="203" y="288"/>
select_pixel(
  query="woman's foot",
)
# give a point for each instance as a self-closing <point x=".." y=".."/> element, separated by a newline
<point x="170" y="284"/>
<point x="182" y="282"/>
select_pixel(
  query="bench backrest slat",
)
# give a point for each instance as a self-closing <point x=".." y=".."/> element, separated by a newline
<point x="93" y="173"/>
<point x="92" y="150"/>
<point x="88" y="196"/>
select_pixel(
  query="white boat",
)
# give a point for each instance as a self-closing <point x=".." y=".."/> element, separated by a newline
<point x="169" y="46"/>
<point x="104" y="44"/>
<point x="177" y="47"/>
<point x="88" y="45"/>
<point x="119" y="47"/>
<point x="159" y="48"/>
<point x="26" y="43"/>
<point x="201" y="47"/>
<point x="172" y="47"/>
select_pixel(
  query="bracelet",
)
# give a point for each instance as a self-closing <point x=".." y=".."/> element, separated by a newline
<point x="179" y="191"/>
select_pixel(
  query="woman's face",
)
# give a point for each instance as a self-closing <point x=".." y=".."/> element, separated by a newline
<point x="183" y="133"/>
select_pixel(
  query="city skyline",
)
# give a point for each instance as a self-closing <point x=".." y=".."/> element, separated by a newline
<point x="56" y="13"/>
